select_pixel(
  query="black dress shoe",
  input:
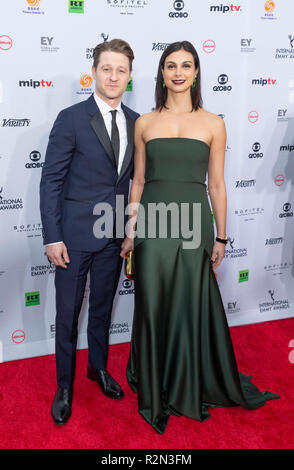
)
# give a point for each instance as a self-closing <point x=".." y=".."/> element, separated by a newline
<point x="108" y="385"/>
<point x="61" y="407"/>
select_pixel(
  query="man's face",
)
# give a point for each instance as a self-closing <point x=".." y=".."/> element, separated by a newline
<point x="112" y="75"/>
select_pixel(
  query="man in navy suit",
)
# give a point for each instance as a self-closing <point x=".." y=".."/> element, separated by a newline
<point x="89" y="160"/>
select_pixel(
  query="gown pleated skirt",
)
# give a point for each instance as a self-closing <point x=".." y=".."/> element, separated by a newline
<point x="181" y="358"/>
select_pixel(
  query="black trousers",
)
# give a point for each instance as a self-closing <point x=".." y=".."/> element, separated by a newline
<point x="104" y="267"/>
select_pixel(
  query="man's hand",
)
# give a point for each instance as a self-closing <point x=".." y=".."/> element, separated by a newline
<point x="58" y="254"/>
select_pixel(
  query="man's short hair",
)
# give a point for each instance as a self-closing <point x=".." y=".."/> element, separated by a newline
<point x="115" y="45"/>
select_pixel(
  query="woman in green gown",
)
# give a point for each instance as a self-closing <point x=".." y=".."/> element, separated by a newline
<point x="181" y="358"/>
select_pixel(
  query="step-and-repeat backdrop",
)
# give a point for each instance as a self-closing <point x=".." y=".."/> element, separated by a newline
<point x="246" y="50"/>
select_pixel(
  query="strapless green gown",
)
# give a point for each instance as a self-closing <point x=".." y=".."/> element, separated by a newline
<point x="181" y="358"/>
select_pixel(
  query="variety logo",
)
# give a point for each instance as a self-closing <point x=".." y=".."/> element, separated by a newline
<point x="10" y="203"/>
<point x="246" y="45"/>
<point x="33" y="7"/>
<point x="5" y="42"/>
<point x="286" y="52"/>
<point x="159" y="46"/>
<point x="75" y="7"/>
<point x="209" y="46"/>
<point x="274" y="241"/>
<point x="222" y="80"/>
<point x="263" y="81"/>
<point x="286" y="210"/>
<point x="245" y="183"/>
<point x="253" y="116"/>
<point x="178" y="6"/>
<point x="16" y="122"/>
<point x="18" y="336"/>
<point x="32" y="298"/>
<point x="256" y="151"/>
<point x="35" y="83"/>
<point x="225" y="8"/>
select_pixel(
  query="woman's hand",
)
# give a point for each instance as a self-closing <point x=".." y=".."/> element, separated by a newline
<point x="218" y="254"/>
<point x="127" y="245"/>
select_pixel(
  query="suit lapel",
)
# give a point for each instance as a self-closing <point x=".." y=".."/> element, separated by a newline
<point x="97" y="123"/>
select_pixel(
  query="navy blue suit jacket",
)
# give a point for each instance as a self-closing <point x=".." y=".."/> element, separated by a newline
<point x="79" y="172"/>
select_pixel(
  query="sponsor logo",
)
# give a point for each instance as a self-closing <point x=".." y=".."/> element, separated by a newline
<point x="5" y="42"/>
<point x="118" y="328"/>
<point x="52" y="330"/>
<point x="209" y="46"/>
<point x="232" y="307"/>
<point x="85" y="82"/>
<point x="263" y="81"/>
<point x="159" y="46"/>
<point x="30" y="230"/>
<point x="279" y="180"/>
<point x="269" y="10"/>
<point x="89" y="50"/>
<point x="253" y="116"/>
<point x="222" y="80"/>
<point x="16" y="122"/>
<point x="286" y="210"/>
<point x="127" y="7"/>
<point x="245" y="183"/>
<point x="276" y="269"/>
<point x="33" y="7"/>
<point x="256" y="151"/>
<point x="286" y="52"/>
<point x="287" y="148"/>
<point x="127" y="287"/>
<point x="274" y="241"/>
<point x="35" y="83"/>
<point x="178" y="6"/>
<point x="225" y="8"/>
<point x="47" y="44"/>
<point x="234" y="252"/>
<point x="282" y="115"/>
<point x="75" y="7"/>
<point x="32" y="298"/>
<point x="130" y="85"/>
<point x="273" y="304"/>
<point x="18" y="336"/>
<point x="249" y="214"/>
<point x="10" y="203"/>
<point x="246" y="45"/>
<point x="244" y="275"/>
<point x="35" y="157"/>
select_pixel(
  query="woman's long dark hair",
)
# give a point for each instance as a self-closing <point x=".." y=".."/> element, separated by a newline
<point x="161" y="92"/>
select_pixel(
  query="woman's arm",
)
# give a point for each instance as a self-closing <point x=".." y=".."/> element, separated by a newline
<point x="137" y="185"/>
<point x="216" y="185"/>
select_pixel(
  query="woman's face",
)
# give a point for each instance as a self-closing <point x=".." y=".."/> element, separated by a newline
<point x="179" y="71"/>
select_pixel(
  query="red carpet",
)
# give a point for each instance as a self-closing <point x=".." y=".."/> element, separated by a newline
<point x="28" y="387"/>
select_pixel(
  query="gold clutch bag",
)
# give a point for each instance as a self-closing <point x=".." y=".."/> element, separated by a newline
<point x="129" y="265"/>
